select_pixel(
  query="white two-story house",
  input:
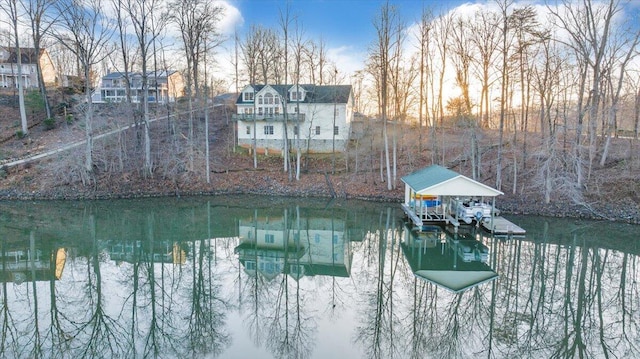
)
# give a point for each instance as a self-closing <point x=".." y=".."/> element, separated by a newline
<point x="313" y="118"/>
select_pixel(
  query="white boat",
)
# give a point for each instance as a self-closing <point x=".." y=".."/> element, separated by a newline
<point x="469" y="211"/>
<point x="473" y="251"/>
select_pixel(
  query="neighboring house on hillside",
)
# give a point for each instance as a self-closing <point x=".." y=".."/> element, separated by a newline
<point x="321" y="115"/>
<point x="29" y="60"/>
<point x="164" y="87"/>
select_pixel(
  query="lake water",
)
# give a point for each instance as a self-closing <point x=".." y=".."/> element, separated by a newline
<point x="249" y="277"/>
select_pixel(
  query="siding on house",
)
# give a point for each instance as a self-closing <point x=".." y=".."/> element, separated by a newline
<point x="322" y="116"/>
<point x="164" y="87"/>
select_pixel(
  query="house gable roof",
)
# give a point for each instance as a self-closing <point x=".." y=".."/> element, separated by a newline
<point x="314" y="93"/>
<point x="440" y="181"/>
<point x="27" y="55"/>
<point x="118" y="74"/>
<point x="113" y="75"/>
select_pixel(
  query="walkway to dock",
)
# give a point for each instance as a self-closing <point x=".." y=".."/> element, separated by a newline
<point x="502" y="226"/>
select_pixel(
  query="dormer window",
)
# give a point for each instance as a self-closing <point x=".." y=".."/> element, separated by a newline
<point x="247" y="96"/>
<point x="296" y="93"/>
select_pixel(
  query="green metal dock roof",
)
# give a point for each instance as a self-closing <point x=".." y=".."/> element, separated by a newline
<point x="438" y="180"/>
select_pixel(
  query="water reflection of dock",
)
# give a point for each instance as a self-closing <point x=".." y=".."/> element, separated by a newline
<point x="454" y="263"/>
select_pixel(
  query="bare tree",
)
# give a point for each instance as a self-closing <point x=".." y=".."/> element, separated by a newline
<point x="285" y="22"/>
<point x="504" y="6"/>
<point x="10" y="8"/>
<point x="38" y="10"/>
<point x="84" y="30"/>
<point x="122" y="23"/>
<point x="589" y="25"/>
<point x="250" y="48"/>
<point x="387" y="23"/>
<point x="626" y="45"/>
<point x="485" y="40"/>
<point x="299" y="46"/>
<point x="462" y="55"/>
<point x="424" y="70"/>
<point x="525" y="24"/>
<point x="197" y="21"/>
<point x="142" y="14"/>
<point x="442" y="31"/>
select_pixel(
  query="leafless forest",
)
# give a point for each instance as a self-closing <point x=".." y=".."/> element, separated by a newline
<point x="538" y="101"/>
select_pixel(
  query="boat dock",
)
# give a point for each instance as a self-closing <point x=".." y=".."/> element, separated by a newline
<point x="437" y="195"/>
<point x="502" y="226"/>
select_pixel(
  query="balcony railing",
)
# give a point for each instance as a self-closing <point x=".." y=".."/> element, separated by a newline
<point x="292" y="117"/>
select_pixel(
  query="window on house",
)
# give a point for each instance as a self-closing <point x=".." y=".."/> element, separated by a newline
<point x="277" y="98"/>
<point x="268" y="99"/>
<point x="277" y="110"/>
<point x="271" y="110"/>
<point x="295" y="130"/>
<point x="248" y="96"/>
<point x="268" y="130"/>
<point x="248" y="130"/>
<point x="296" y="96"/>
<point x="259" y="110"/>
<point x="317" y="130"/>
<point x="259" y="100"/>
<point x="269" y="238"/>
<point x="336" y="130"/>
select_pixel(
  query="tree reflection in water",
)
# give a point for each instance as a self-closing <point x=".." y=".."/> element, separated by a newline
<point x="163" y="279"/>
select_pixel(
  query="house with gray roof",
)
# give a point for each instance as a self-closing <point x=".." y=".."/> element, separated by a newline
<point x="163" y="87"/>
<point x="312" y="117"/>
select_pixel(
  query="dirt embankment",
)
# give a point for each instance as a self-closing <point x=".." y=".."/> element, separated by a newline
<point x="612" y="192"/>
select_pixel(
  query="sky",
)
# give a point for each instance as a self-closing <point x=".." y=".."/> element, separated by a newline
<point x="346" y="26"/>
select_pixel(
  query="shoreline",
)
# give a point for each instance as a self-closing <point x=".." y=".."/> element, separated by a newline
<point x="508" y="204"/>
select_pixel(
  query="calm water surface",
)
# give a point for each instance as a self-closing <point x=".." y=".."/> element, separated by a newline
<point x="240" y="277"/>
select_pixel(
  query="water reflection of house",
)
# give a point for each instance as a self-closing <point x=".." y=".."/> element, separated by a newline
<point x="20" y="264"/>
<point x="140" y="251"/>
<point x="454" y="263"/>
<point x="313" y="246"/>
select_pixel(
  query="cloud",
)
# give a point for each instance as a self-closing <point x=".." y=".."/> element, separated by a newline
<point x="347" y="59"/>
<point x="231" y="18"/>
